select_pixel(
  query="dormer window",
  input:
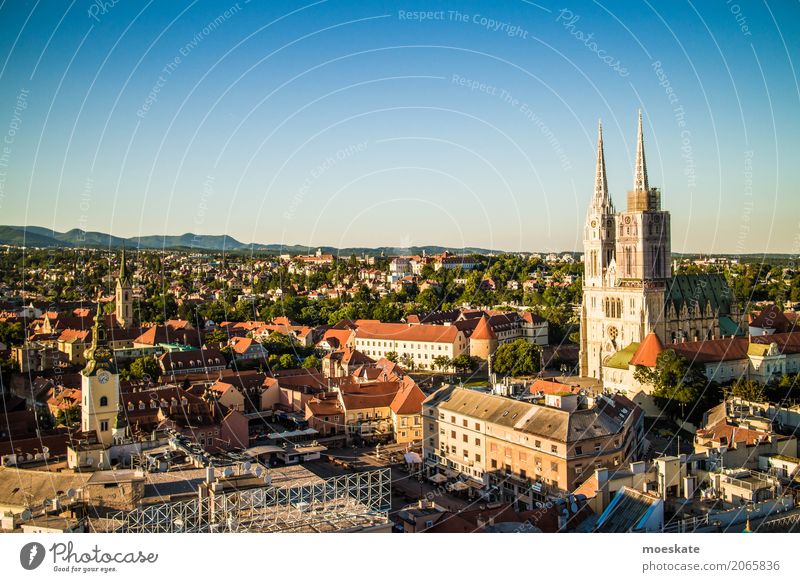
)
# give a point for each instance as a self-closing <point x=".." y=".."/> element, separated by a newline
<point x="130" y="406"/>
<point x="141" y="405"/>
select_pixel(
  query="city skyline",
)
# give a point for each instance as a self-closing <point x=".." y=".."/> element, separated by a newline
<point x="399" y="125"/>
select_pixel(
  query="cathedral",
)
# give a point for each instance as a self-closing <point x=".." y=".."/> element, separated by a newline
<point x="629" y="290"/>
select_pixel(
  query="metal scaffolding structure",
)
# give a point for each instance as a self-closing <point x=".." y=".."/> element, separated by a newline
<point x="347" y="502"/>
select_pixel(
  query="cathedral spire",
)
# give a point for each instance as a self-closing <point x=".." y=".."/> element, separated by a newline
<point x="640" y="174"/>
<point x="601" y="198"/>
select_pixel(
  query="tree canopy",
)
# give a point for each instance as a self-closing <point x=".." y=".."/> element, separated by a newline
<point x="517" y="358"/>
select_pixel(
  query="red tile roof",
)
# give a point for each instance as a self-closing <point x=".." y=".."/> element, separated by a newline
<point x="369" y="329"/>
<point x="648" y="351"/>
<point x="483" y="331"/>
<point x="408" y="399"/>
<point x="552" y="387"/>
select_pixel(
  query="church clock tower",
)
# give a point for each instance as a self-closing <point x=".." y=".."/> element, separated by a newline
<point x="100" y="385"/>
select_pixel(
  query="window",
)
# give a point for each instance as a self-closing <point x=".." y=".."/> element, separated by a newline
<point x="493" y="447"/>
<point x="452" y="434"/>
<point x="494" y="464"/>
<point x="554" y="466"/>
<point x="578" y="450"/>
<point x="478" y="442"/>
<point x="522" y="474"/>
<point x="477" y="458"/>
<point x="537" y="444"/>
<point x="104" y="401"/>
<point x="523" y="457"/>
<point x="103" y="425"/>
<point x="553" y="449"/>
<point x="465" y="438"/>
<point x="597" y="448"/>
<point x="453" y="419"/>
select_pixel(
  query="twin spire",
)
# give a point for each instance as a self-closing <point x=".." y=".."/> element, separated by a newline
<point x="640" y="174"/>
<point x="601" y="196"/>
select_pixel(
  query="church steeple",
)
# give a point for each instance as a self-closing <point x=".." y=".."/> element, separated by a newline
<point x="601" y="198"/>
<point x="99" y="356"/>
<point x="123" y="271"/>
<point x="640" y="173"/>
<point x="124" y="295"/>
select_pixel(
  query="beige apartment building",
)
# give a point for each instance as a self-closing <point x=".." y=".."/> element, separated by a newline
<point x="518" y="451"/>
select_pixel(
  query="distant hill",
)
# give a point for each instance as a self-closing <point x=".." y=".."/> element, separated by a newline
<point x="37" y="236"/>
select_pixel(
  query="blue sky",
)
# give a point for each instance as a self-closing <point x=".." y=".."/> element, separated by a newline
<point x="361" y="123"/>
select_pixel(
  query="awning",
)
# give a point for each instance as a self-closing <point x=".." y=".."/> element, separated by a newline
<point x="411" y="458"/>
<point x="475" y="484"/>
<point x="438" y="478"/>
<point x="459" y="486"/>
<point x="451" y="474"/>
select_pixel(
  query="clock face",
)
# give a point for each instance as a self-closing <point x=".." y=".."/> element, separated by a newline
<point x="594" y="223"/>
<point x="103" y="377"/>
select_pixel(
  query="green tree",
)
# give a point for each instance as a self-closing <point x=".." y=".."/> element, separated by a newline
<point x="392" y="356"/>
<point x="407" y="361"/>
<point x="311" y="361"/>
<point x="287" y="361"/>
<point x="676" y="383"/>
<point x="68" y="417"/>
<point x="441" y="363"/>
<point x="216" y="338"/>
<point x="146" y="366"/>
<point x="463" y="363"/>
<point x="747" y="390"/>
<point x="279" y="343"/>
<point x="12" y="334"/>
<point x="517" y="358"/>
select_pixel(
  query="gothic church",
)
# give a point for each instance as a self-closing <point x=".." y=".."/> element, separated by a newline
<point x="628" y="286"/>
